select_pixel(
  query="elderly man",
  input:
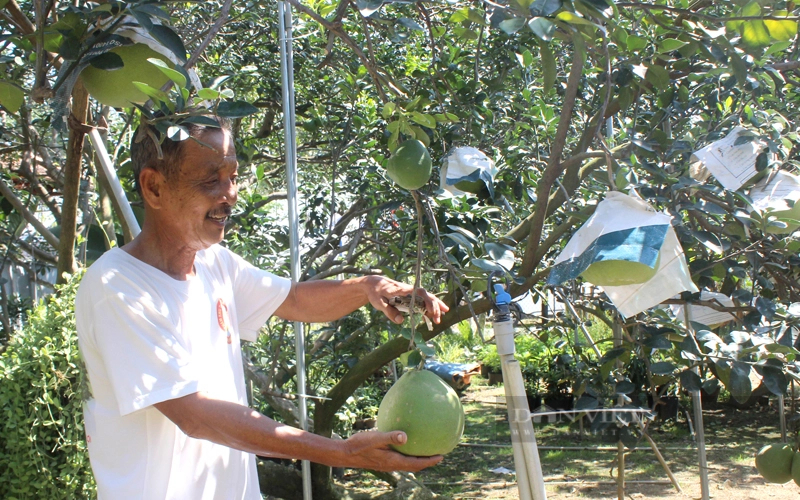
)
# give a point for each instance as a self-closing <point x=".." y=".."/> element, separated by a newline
<point x="160" y="322"/>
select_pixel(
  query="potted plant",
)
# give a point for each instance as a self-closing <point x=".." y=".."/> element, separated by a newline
<point x="490" y="364"/>
<point x="558" y="382"/>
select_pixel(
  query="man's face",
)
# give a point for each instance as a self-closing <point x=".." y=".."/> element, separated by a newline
<point x="199" y="199"/>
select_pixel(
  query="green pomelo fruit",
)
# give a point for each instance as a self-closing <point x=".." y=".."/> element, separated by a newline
<point x="619" y="272"/>
<point x="115" y="88"/>
<point x="410" y="166"/>
<point x="474" y="187"/>
<point x="427" y="409"/>
<point x="796" y="468"/>
<point x="774" y="463"/>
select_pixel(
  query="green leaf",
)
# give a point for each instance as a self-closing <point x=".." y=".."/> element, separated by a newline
<point x="690" y="380"/>
<point x="636" y="43"/>
<point x="658" y="76"/>
<point x="460" y="240"/>
<point x="410" y="358"/>
<point x="774" y="379"/>
<point x="502" y="254"/>
<point x="662" y="368"/>
<point x="511" y="26"/>
<point x="108" y="61"/>
<point x="670" y="44"/>
<point x="739" y="382"/>
<point x="755" y="34"/>
<point x="152" y="10"/>
<point x="549" y="68"/>
<point x="612" y="354"/>
<point x="738" y="67"/>
<point x="235" y="109"/>
<point x="486" y="265"/>
<point x="153" y="93"/>
<point x="571" y="18"/>
<point x="544" y="7"/>
<point x="526" y="59"/>
<point x="586" y="403"/>
<point x="421" y="136"/>
<point x="781" y="30"/>
<point x="427" y="350"/>
<point x="388" y="110"/>
<point x="174" y="75"/>
<point x="624" y="387"/>
<point x="142" y="18"/>
<point x="410" y="24"/>
<point x="208" y="94"/>
<point x="658" y="342"/>
<point x="169" y="39"/>
<point x="424" y="120"/>
<point x="11" y="96"/>
<point x="542" y="28"/>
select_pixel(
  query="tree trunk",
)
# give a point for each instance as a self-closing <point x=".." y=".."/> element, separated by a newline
<point x="72" y="184"/>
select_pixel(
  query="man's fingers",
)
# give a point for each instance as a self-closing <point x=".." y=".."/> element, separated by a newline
<point x="398" y="437"/>
<point x="434" y="306"/>
<point x="393" y="314"/>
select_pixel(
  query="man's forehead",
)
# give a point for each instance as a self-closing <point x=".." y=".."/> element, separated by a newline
<point x="211" y="147"/>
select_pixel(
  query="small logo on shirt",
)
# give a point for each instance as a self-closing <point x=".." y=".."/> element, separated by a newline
<point x="223" y="318"/>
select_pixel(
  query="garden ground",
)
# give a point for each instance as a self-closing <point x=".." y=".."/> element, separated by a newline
<point x="732" y="438"/>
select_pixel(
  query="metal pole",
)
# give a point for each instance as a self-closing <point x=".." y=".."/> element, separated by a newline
<point x="586" y="333"/>
<point x="782" y="413"/>
<point x="287" y="80"/>
<point x="697" y="404"/>
<point x="117" y="192"/>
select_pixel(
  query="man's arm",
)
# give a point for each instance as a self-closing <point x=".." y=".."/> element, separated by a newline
<point x="243" y="428"/>
<point x="328" y="300"/>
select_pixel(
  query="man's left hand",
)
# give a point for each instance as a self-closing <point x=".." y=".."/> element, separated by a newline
<point x="380" y="290"/>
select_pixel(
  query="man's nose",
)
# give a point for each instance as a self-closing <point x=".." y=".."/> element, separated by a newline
<point x="230" y="191"/>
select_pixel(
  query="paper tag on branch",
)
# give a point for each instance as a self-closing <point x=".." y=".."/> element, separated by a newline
<point x="731" y="160"/>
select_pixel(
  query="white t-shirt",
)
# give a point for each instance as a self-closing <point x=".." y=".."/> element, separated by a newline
<point x="146" y="338"/>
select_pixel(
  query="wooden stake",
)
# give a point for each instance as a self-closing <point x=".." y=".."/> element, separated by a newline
<point x="663" y="463"/>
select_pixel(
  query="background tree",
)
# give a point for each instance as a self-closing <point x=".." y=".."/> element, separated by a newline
<point x="571" y="100"/>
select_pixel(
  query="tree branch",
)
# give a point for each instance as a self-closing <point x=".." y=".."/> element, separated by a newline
<point x="554" y="166"/>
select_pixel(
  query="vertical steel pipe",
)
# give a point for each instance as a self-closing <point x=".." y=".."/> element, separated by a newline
<point x="290" y="151"/>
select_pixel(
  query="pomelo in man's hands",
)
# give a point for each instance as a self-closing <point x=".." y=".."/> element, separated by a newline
<point x="115" y="88"/>
<point x="410" y="166"/>
<point x="428" y="410"/>
<point x="774" y="463"/>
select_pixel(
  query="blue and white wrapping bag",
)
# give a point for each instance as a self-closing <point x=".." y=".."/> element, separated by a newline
<point x="624" y="227"/>
<point x="467" y="170"/>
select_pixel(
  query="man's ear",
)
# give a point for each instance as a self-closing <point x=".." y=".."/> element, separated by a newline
<point x="152" y="183"/>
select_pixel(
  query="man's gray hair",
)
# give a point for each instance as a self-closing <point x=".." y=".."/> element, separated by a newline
<point x="144" y="152"/>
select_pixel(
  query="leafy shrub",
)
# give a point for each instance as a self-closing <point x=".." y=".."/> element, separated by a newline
<point x="42" y="442"/>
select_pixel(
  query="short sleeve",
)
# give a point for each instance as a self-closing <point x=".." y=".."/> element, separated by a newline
<point x="257" y="295"/>
<point x="142" y="356"/>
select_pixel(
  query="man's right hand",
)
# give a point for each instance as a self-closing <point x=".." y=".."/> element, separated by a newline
<point x="370" y="450"/>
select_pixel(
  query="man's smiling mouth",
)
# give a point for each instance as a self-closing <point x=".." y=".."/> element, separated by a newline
<point x="220" y="217"/>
